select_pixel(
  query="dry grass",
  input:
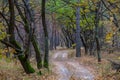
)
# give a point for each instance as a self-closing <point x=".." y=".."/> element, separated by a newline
<point x="12" y="70"/>
<point x="103" y="70"/>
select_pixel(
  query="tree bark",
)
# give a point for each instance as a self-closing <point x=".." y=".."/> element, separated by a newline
<point x="97" y="18"/>
<point x="78" y="40"/>
<point x="33" y="40"/>
<point x="46" y="57"/>
<point x="25" y="64"/>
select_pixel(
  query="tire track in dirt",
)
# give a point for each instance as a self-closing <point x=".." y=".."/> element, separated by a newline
<point x="65" y="68"/>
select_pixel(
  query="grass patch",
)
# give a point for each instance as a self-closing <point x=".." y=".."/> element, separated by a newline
<point x="103" y="70"/>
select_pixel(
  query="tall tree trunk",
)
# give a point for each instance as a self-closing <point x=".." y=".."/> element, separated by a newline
<point x="11" y="21"/>
<point x="26" y="65"/>
<point x="78" y="40"/>
<point x="33" y="40"/>
<point x="97" y="18"/>
<point x="46" y="57"/>
<point x="53" y="30"/>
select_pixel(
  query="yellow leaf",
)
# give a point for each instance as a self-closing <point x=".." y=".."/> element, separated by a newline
<point x="86" y="10"/>
<point x="108" y="36"/>
<point x="118" y="57"/>
<point x="111" y="19"/>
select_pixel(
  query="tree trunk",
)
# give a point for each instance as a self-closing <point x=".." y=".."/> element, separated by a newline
<point x="98" y="49"/>
<point x="46" y="57"/>
<point x="11" y="21"/>
<point x="37" y="51"/>
<point x="97" y="18"/>
<point x="26" y="65"/>
<point x="78" y="40"/>
<point x="33" y="40"/>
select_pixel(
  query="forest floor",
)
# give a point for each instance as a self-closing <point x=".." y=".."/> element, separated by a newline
<point x="63" y="66"/>
<point x="69" y="68"/>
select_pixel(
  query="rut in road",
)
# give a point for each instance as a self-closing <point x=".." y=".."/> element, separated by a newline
<point x="61" y="62"/>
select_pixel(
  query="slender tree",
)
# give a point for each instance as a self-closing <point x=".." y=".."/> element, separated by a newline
<point x="97" y="19"/>
<point x="27" y="28"/>
<point x="78" y="39"/>
<point x="25" y="63"/>
<point x="46" y="57"/>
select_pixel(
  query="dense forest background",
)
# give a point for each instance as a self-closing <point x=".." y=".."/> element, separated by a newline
<point x="33" y="31"/>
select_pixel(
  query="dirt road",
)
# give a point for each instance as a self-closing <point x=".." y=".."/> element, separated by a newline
<point x="66" y="68"/>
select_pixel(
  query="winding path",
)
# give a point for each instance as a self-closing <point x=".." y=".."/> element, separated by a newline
<point x="65" y="68"/>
